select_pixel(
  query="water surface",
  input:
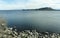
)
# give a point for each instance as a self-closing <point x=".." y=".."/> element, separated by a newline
<point x="40" y="20"/>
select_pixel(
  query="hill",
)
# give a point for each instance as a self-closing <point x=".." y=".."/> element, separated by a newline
<point x="45" y="8"/>
<point x="42" y="9"/>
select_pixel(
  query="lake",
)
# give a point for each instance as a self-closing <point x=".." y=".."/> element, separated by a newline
<point x="29" y="20"/>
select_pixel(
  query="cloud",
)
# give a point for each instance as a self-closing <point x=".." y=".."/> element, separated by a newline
<point x="28" y="4"/>
<point x="44" y="3"/>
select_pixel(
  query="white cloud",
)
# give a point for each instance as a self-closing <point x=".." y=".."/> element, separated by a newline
<point x="44" y="3"/>
<point x="18" y="4"/>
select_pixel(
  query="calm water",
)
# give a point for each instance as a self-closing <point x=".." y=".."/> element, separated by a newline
<point x="40" y="20"/>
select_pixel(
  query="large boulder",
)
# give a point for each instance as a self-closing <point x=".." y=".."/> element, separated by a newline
<point x="3" y="25"/>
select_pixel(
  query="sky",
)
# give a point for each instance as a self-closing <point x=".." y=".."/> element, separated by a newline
<point x="28" y="4"/>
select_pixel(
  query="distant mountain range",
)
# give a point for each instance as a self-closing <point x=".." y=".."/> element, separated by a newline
<point x="45" y="8"/>
<point x="42" y="9"/>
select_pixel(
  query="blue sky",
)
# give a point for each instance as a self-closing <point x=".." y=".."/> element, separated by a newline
<point x="28" y="4"/>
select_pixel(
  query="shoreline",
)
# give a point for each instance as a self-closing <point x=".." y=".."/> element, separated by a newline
<point x="12" y="33"/>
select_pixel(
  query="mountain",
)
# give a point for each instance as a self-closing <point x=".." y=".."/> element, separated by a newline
<point x="42" y="9"/>
<point x="46" y="8"/>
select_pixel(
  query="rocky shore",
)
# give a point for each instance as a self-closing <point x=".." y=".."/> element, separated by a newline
<point x="6" y="32"/>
